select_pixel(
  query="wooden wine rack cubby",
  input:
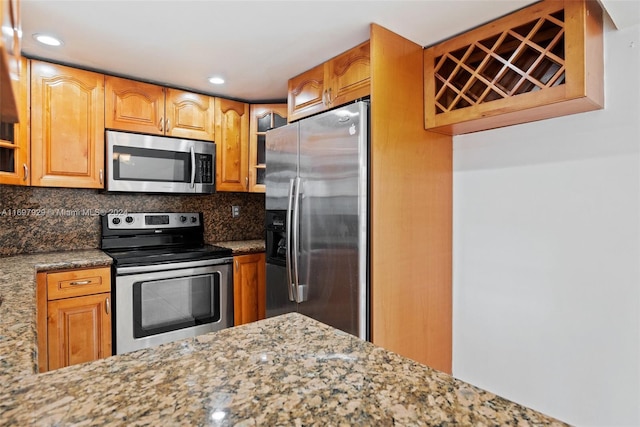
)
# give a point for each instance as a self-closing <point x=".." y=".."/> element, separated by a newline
<point x="542" y="61"/>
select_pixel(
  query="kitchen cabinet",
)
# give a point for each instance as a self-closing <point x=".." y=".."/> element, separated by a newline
<point x="543" y="61"/>
<point x="232" y="145"/>
<point x="410" y="273"/>
<point x="263" y="118"/>
<point x="74" y="316"/>
<point x="342" y="79"/>
<point x="249" y="288"/>
<point x="15" y="147"/>
<point x="67" y="126"/>
<point x="147" y="108"/>
<point x="9" y="61"/>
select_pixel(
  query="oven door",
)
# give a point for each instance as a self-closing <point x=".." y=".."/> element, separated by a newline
<point x="156" y="307"/>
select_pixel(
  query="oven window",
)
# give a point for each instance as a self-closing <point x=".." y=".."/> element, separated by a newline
<point x="167" y="305"/>
<point x="138" y="164"/>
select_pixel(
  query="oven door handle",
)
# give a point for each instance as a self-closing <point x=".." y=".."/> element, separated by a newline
<point x="152" y="268"/>
<point x="193" y="167"/>
<point x="289" y="246"/>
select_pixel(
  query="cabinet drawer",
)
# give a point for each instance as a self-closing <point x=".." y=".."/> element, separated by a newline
<point x="73" y="283"/>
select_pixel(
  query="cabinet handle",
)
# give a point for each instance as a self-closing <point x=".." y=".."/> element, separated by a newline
<point x="26" y="171"/>
<point x="101" y="177"/>
<point x="246" y="182"/>
<point x="80" y="282"/>
<point x="161" y="124"/>
<point x="237" y="266"/>
<point x="324" y="97"/>
<point x="329" y="96"/>
<point x="167" y="125"/>
<point x="107" y="305"/>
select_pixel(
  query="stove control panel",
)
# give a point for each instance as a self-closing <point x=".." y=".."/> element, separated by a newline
<point x="148" y="221"/>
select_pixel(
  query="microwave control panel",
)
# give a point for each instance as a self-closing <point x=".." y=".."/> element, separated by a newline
<point x="204" y="173"/>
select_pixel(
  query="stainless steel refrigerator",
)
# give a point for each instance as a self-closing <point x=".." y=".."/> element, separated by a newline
<point x="317" y="218"/>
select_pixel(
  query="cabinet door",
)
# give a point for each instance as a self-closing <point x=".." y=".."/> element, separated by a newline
<point x="232" y="145"/>
<point x="79" y="330"/>
<point x="263" y="118"/>
<point x="9" y="60"/>
<point x="350" y="76"/>
<point x="249" y="288"/>
<point x="67" y="127"/>
<point x="15" y="148"/>
<point x="306" y="93"/>
<point x="189" y="115"/>
<point x="134" y="106"/>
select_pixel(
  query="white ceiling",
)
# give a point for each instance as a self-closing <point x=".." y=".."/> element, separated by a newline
<point x="255" y="45"/>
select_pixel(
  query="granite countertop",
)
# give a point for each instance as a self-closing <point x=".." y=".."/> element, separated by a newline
<point x="287" y="370"/>
<point x="240" y="247"/>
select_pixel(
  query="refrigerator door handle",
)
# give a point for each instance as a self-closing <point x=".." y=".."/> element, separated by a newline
<point x="290" y="284"/>
<point x="300" y="290"/>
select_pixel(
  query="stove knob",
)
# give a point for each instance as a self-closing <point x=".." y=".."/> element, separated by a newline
<point x="129" y="219"/>
<point x="115" y="221"/>
<point x="194" y="219"/>
<point x="183" y="218"/>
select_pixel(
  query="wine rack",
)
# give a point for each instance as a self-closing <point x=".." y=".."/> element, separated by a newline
<point x="503" y="72"/>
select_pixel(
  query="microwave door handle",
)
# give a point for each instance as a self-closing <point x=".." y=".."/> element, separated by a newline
<point x="193" y="167"/>
<point x="289" y="246"/>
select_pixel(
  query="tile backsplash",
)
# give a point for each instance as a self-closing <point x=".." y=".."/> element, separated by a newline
<point x="36" y="219"/>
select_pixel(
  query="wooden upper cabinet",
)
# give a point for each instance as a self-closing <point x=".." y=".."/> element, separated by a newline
<point x="147" y="108"/>
<point x="306" y="93"/>
<point x="543" y="61"/>
<point x="189" y="115"/>
<point x="349" y="74"/>
<point x="338" y="81"/>
<point x="15" y="147"/>
<point x="263" y="118"/>
<point x="232" y="145"/>
<point x="9" y="61"/>
<point x="134" y="106"/>
<point x="67" y="126"/>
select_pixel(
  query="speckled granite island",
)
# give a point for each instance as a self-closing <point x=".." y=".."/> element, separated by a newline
<point x="287" y="370"/>
<point x="18" y="344"/>
<point x="243" y="246"/>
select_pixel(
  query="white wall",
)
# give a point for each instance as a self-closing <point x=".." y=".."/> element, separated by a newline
<point x="547" y="254"/>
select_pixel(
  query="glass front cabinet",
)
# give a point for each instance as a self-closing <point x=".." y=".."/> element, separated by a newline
<point x="263" y="118"/>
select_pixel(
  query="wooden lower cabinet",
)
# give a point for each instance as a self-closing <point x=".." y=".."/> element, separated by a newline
<point x="249" y="288"/>
<point x="79" y="330"/>
<point x="74" y="317"/>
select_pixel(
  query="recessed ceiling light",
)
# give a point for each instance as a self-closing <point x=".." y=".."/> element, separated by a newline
<point x="48" y="40"/>
<point x="216" y="80"/>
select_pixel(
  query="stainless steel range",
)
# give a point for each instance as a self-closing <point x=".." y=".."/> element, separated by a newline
<point x="167" y="284"/>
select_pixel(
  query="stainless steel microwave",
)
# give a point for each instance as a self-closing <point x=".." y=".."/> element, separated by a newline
<point x="159" y="164"/>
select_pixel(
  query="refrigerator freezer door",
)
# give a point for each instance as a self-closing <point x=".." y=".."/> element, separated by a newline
<point x="282" y="165"/>
<point x="333" y="218"/>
